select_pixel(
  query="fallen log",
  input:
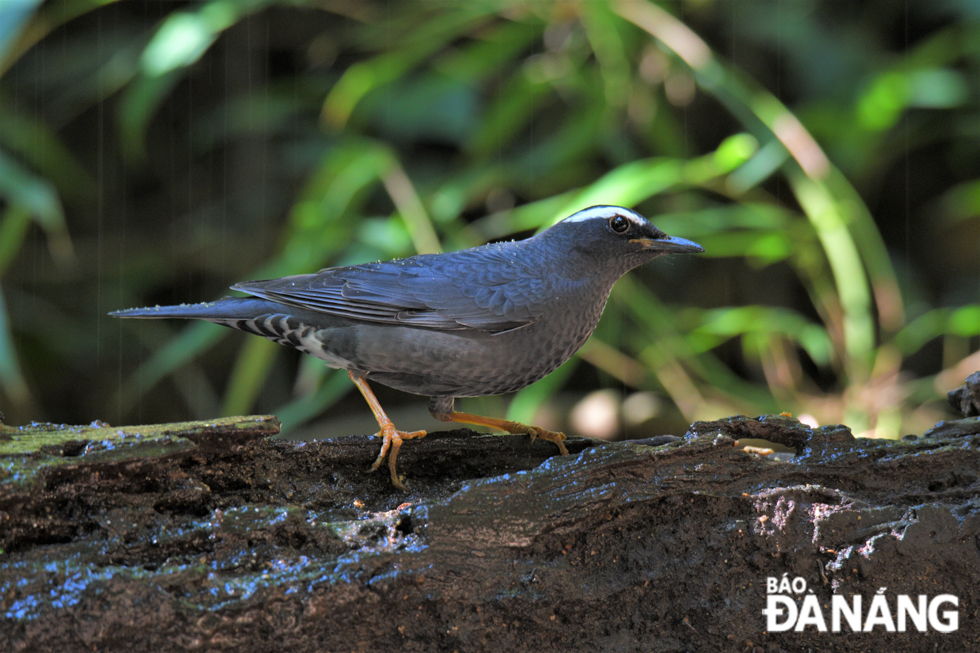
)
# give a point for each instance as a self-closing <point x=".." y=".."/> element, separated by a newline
<point x="220" y="536"/>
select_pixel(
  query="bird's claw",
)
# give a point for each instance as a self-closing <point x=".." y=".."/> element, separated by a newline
<point x="555" y="437"/>
<point x="392" y="440"/>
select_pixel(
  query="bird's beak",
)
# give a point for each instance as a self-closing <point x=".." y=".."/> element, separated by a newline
<point x="669" y="245"/>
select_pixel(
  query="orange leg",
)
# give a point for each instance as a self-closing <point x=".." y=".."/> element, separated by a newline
<point x="392" y="437"/>
<point x="510" y="427"/>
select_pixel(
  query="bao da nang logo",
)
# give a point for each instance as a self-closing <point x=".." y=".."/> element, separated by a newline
<point x="791" y="606"/>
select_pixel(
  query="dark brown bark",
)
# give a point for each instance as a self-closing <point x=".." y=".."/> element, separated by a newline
<point x="218" y="537"/>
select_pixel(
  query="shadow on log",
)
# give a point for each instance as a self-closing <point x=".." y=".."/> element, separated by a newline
<point x="216" y="536"/>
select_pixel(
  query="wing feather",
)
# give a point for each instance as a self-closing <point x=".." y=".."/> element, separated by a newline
<point x="487" y="288"/>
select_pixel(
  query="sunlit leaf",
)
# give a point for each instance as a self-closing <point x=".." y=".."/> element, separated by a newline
<point x="361" y="78"/>
<point x="723" y="324"/>
<point x="884" y="101"/>
<point x="965" y="321"/>
<point x="178" y="43"/>
<point x="14" y="14"/>
<point x="735" y="151"/>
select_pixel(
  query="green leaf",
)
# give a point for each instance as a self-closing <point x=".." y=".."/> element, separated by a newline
<point x="13" y="229"/>
<point x="248" y="374"/>
<point x="195" y="339"/>
<point x="14" y="14"/>
<point x="178" y="43"/>
<point x="308" y="406"/>
<point x="37" y="145"/>
<point x="965" y="321"/>
<point x="363" y="77"/>
<point x="36" y="196"/>
<point x="11" y="378"/>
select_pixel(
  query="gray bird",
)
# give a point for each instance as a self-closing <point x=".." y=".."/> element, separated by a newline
<point x="482" y="321"/>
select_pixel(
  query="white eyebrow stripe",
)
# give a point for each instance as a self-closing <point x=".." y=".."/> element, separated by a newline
<point x="603" y="213"/>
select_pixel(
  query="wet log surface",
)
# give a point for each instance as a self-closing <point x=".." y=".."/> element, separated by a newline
<point x="216" y="536"/>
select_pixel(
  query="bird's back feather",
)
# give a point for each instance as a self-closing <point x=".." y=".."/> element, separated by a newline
<point x="486" y="288"/>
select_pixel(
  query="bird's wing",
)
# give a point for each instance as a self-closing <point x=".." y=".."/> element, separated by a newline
<point x="486" y="288"/>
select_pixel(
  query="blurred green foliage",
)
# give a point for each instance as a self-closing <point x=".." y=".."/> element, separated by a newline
<point x="827" y="160"/>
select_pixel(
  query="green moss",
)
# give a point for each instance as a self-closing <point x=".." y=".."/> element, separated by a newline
<point x="27" y="451"/>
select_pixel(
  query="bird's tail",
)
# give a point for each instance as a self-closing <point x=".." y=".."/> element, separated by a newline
<point x="228" y="308"/>
<point x="272" y="320"/>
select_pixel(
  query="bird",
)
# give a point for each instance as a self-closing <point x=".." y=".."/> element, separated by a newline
<point x="482" y="321"/>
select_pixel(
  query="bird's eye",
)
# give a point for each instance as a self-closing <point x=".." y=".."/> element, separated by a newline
<point x="619" y="224"/>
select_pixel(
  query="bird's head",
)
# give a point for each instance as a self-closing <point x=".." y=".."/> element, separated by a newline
<point x="618" y="237"/>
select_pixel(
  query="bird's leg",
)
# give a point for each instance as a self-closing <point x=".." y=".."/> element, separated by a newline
<point x="392" y="437"/>
<point x="442" y="409"/>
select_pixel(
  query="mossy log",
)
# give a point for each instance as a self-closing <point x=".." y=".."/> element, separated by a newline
<point x="218" y="536"/>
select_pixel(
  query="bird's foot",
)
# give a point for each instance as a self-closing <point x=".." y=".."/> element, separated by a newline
<point x="393" y="439"/>
<point x="514" y="428"/>
<point x="551" y="436"/>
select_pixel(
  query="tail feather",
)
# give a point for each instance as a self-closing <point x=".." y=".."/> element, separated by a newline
<point x="228" y="308"/>
<point x="287" y="326"/>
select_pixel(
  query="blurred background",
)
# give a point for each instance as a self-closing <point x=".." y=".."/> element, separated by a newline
<point x="825" y="153"/>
